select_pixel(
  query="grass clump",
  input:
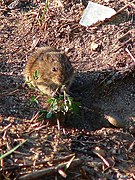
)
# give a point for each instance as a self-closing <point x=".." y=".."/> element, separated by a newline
<point x="59" y="105"/>
<point x="62" y="104"/>
<point x="42" y="16"/>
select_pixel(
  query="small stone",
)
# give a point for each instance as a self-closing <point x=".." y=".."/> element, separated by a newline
<point x="99" y="151"/>
<point x="106" y="0"/>
<point x="115" y="120"/>
<point x="94" y="46"/>
<point x="132" y="129"/>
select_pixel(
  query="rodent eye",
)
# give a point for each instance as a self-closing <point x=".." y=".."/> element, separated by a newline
<point x="54" y="69"/>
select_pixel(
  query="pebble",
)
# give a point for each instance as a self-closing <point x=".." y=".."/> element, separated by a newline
<point x="116" y="120"/>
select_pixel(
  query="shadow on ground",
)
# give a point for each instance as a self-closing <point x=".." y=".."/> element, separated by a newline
<point x="109" y="92"/>
<point x="99" y="93"/>
<point x="14" y="100"/>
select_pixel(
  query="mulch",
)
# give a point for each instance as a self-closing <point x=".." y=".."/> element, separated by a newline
<point x="86" y="147"/>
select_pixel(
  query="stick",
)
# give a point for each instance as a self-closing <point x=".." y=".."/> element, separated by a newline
<point x="122" y="45"/>
<point x="62" y="159"/>
<point x="49" y="171"/>
<point x="132" y="57"/>
<point x="123" y="8"/>
<point x="119" y="11"/>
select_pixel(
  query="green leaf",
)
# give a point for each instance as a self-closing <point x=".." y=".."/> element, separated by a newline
<point x="36" y="75"/>
<point x="45" y="9"/>
<point x="54" y="108"/>
<point x="49" y="115"/>
<point x="50" y="100"/>
<point x="61" y="97"/>
<point x="34" y="101"/>
<point x="66" y="108"/>
<point x="74" y="108"/>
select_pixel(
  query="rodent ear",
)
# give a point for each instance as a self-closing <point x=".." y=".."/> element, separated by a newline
<point x="49" y="58"/>
<point x="40" y="57"/>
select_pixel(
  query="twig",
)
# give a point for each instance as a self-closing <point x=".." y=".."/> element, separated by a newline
<point x="131" y="147"/>
<point x="129" y="32"/>
<point x="123" y="8"/>
<point x="9" y="93"/>
<point x="35" y="117"/>
<point x="58" y="124"/>
<point x="63" y="159"/>
<point x="119" y="11"/>
<point x="122" y="45"/>
<point x="12" y="150"/>
<point x="70" y="162"/>
<point x="103" y="159"/>
<point x="5" y="128"/>
<point x="50" y="170"/>
<point x="132" y="57"/>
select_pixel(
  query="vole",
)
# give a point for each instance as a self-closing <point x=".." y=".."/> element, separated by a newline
<point x="48" y="69"/>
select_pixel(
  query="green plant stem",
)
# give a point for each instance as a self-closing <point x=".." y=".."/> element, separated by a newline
<point x="12" y="150"/>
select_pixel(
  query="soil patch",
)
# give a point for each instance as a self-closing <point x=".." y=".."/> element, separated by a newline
<point x="104" y="84"/>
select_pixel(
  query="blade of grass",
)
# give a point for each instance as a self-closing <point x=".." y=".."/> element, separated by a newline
<point x="12" y="150"/>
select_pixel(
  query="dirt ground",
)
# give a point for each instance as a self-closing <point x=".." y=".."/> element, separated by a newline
<point x="86" y="145"/>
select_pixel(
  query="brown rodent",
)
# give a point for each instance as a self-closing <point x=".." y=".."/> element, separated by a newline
<point x="53" y="67"/>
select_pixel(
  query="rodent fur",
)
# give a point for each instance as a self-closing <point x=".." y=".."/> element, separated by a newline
<point x="54" y="69"/>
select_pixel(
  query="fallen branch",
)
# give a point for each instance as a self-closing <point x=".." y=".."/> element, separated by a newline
<point x="62" y="159"/>
<point x="50" y="170"/>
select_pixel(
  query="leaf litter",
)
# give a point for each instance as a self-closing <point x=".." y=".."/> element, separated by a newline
<point x="85" y="146"/>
